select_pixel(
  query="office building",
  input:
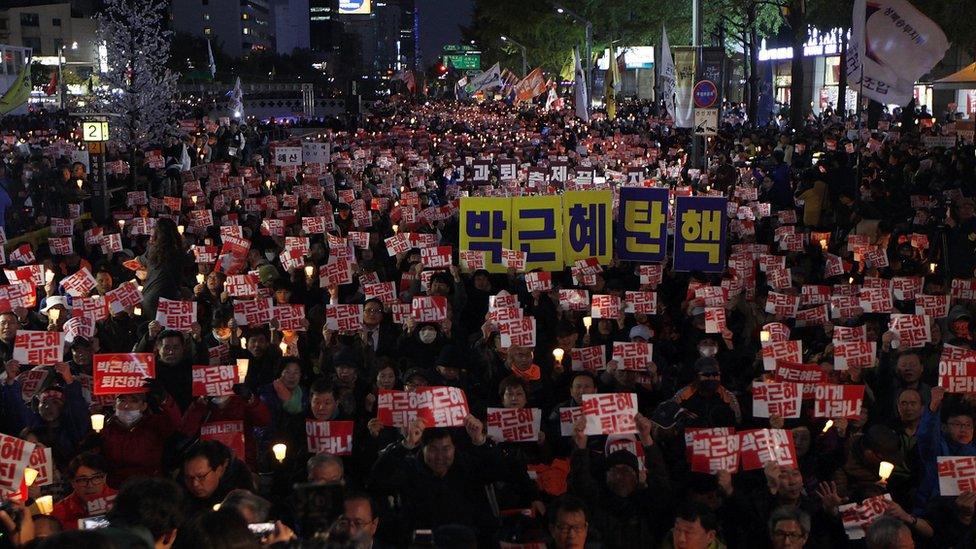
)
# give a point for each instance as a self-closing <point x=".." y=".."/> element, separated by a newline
<point x="238" y="27"/>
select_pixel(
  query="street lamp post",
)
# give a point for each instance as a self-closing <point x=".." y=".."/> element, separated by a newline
<point x="61" y="87"/>
<point x="588" y="27"/>
<point x="525" y="65"/>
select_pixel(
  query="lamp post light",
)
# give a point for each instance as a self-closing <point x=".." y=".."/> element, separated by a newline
<point x="525" y="65"/>
<point x="588" y="27"/>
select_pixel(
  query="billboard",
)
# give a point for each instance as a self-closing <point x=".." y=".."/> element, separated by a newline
<point x="355" y="7"/>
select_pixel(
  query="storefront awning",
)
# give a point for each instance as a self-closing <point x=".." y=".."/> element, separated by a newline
<point x="960" y="80"/>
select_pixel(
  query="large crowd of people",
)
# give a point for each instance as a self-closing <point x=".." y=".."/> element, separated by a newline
<point x="827" y="217"/>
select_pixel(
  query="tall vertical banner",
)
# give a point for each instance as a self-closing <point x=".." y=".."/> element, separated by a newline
<point x="486" y="226"/>
<point x="684" y="71"/>
<point x="667" y="75"/>
<point x="642" y="225"/>
<point x="538" y="230"/>
<point x="699" y="240"/>
<point x="588" y="222"/>
<point x="892" y="46"/>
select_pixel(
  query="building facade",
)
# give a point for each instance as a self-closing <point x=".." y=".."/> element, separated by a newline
<point x="238" y="27"/>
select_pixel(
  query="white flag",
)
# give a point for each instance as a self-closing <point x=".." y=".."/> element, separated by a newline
<point x="237" y="100"/>
<point x="579" y="83"/>
<point x="489" y="79"/>
<point x="892" y="46"/>
<point x="667" y="77"/>
<point x="213" y="64"/>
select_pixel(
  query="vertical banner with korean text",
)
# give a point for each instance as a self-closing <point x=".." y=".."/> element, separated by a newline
<point x="588" y="223"/>
<point x="485" y="225"/>
<point x="642" y="224"/>
<point x="699" y="239"/>
<point x="538" y="231"/>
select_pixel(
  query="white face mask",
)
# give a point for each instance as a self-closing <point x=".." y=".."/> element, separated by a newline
<point x="221" y="400"/>
<point x="428" y="335"/>
<point x="708" y="351"/>
<point x="128" y="417"/>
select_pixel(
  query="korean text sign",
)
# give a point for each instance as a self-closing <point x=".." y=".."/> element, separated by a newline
<point x="331" y="437"/>
<point x="642" y="224"/>
<point x="38" y="348"/>
<point x="122" y="373"/>
<point x="436" y="406"/>
<point x="699" y="236"/>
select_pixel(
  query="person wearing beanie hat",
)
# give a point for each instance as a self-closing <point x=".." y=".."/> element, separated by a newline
<point x="713" y="404"/>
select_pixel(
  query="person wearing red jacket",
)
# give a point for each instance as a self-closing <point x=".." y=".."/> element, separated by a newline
<point x="242" y="406"/>
<point x="90" y="495"/>
<point x="133" y="437"/>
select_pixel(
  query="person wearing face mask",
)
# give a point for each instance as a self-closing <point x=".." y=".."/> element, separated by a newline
<point x="421" y="344"/>
<point x="243" y="406"/>
<point x="959" y="322"/>
<point x="712" y="404"/>
<point x="133" y="438"/>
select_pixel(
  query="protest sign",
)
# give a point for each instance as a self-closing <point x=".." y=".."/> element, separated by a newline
<point x="214" y="380"/>
<point x="610" y="413"/>
<point x="514" y="424"/>
<point x="957" y="474"/>
<point x="15" y="455"/>
<point x="176" y="315"/>
<point x="759" y="446"/>
<point x="122" y="373"/>
<point x="589" y="359"/>
<point x="633" y="356"/>
<point x="781" y="399"/>
<point x="857" y="354"/>
<point x="712" y="450"/>
<point x="38" y="348"/>
<point x="838" y="401"/>
<point x="228" y="433"/>
<point x="429" y="308"/>
<point x="856" y="517"/>
<point x="436" y="406"/>
<point x="773" y="351"/>
<point x="344" y="318"/>
<point x="957" y="376"/>
<point x="517" y="332"/>
<point x="253" y="312"/>
<point x="330" y="437"/>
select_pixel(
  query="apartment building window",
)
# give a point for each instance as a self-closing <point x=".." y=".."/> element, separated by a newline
<point x="207" y="31"/>
<point x="247" y="30"/>
<point x="55" y="21"/>
<point x="206" y="17"/>
<point x="30" y="20"/>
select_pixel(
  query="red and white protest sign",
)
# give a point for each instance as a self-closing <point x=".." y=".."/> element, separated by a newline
<point x="215" y="380"/>
<point x="784" y="305"/>
<point x="126" y="296"/>
<point x="38" y="348"/>
<point x="122" y="373"/>
<point x="517" y="332"/>
<point x="640" y="302"/>
<point x="811" y="294"/>
<point x="471" y="260"/>
<point x="856" y="517"/>
<point x="78" y="326"/>
<point x="849" y="334"/>
<point x="807" y="375"/>
<point x="589" y="359"/>
<point x="715" y="320"/>
<point x="567" y="417"/>
<point x="329" y="437"/>
<point x="205" y="254"/>
<point x="712" y="450"/>
<point x="957" y="474"/>
<point x="15" y="454"/>
<point x="538" y="281"/>
<point x="384" y="291"/>
<point x="857" y="354"/>
<point x="344" y="318"/>
<point x="32" y="380"/>
<point x="513" y="259"/>
<point x="650" y="274"/>
<point x="934" y="306"/>
<point x="176" y="315"/>
<point x="905" y="288"/>
<point x="438" y="257"/>
<point x="954" y="352"/>
<point x="436" y="406"/>
<point x="610" y="413"/>
<point x="961" y="288"/>
<point x="42" y="461"/>
<point x="781" y="399"/>
<point x="242" y="285"/>
<point x="400" y="312"/>
<point x="60" y="246"/>
<point x="290" y="317"/>
<point x="838" y="401"/>
<point x="957" y="376"/>
<point x="335" y="273"/>
<point x="605" y="306"/>
<point x="574" y="300"/>
<point x="253" y="312"/>
<point x="875" y="300"/>
<point x="789" y="351"/>
<point x="760" y="446"/>
<point x="79" y="284"/>
<point x="913" y="331"/>
<point x="228" y="433"/>
<point x="632" y="356"/>
<point x="514" y="424"/>
<point x="429" y="308"/>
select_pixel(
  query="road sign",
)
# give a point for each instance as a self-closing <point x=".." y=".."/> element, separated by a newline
<point x="94" y="130"/>
<point x="706" y="121"/>
<point x="705" y="94"/>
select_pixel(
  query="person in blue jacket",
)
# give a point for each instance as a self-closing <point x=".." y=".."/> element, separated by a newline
<point x="942" y="432"/>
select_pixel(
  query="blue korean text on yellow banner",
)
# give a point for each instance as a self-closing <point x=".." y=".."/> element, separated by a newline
<point x="699" y="236"/>
<point x="538" y="231"/>
<point x="588" y="220"/>
<point x="642" y="225"/>
<point x="486" y="226"/>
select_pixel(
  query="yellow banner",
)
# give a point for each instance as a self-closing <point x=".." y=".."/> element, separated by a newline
<point x="538" y="231"/>
<point x="485" y="225"/>
<point x="588" y="222"/>
<point x="18" y="93"/>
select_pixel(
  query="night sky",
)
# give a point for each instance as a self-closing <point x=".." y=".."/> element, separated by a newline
<point x="439" y="20"/>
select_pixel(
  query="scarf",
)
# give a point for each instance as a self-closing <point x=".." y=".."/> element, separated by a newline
<point x="532" y="374"/>
<point x="291" y="401"/>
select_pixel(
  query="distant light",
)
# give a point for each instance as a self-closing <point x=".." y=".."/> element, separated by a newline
<point x="237" y="114"/>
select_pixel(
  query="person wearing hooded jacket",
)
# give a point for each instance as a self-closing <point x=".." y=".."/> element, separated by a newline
<point x="942" y="432"/>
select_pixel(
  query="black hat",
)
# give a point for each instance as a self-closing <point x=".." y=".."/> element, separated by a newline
<point x="344" y="357"/>
<point x="707" y="365"/>
<point x="623" y="457"/>
<point x="449" y="357"/>
<point x="417" y="372"/>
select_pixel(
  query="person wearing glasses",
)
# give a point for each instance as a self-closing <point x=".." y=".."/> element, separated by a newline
<point x="944" y="431"/>
<point x="359" y="520"/>
<point x="90" y="494"/>
<point x="568" y="523"/>
<point x="210" y="472"/>
<point x="789" y="527"/>
<point x="711" y="404"/>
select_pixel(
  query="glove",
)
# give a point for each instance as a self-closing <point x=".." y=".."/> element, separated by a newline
<point x="156" y="391"/>
<point x="242" y="391"/>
